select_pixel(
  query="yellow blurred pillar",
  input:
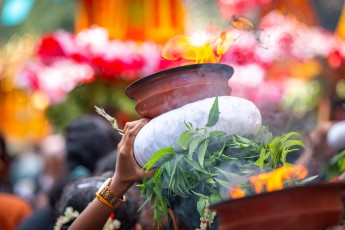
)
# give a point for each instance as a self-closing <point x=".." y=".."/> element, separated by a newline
<point x="138" y="20"/>
<point x="340" y="31"/>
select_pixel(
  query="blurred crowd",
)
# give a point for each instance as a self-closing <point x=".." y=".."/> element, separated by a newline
<point x="66" y="170"/>
<point x="62" y="171"/>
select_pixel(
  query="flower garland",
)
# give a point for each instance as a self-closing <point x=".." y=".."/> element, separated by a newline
<point x="281" y="52"/>
<point x="280" y="48"/>
<point x="70" y="215"/>
<point x="206" y="220"/>
<point x="64" y="60"/>
<point x="240" y="6"/>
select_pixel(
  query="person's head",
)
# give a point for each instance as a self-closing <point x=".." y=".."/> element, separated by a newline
<point x="147" y="222"/>
<point x="80" y="193"/>
<point x="106" y="164"/>
<point x="52" y="151"/>
<point x="336" y="136"/>
<point x="186" y="213"/>
<point x="88" y="139"/>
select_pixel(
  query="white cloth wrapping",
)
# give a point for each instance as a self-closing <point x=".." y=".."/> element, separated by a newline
<point x="336" y="136"/>
<point x="237" y="116"/>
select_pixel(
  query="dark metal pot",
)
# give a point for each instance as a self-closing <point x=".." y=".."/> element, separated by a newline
<point x="310" y="207"/>
<point x="170" y="89"/>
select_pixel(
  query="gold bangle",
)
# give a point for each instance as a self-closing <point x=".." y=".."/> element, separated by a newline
<point x="100" y="198"/>
<point x="107" y="197"/>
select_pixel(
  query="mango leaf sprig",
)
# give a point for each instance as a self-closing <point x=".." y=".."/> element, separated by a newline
<point x="112" y="120"/>
<point x="196" y="170"/>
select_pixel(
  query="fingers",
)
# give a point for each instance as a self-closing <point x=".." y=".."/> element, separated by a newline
<point x="131" y="124"/>
<point x="149" y="173"/>
<point x="130" y="130"/>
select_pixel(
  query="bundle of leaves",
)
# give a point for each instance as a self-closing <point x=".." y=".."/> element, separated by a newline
<point x="210" y="162"/>
<point x="335" y="166"/>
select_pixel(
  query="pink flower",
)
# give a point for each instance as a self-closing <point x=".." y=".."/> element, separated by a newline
<point x="55" y="80"/>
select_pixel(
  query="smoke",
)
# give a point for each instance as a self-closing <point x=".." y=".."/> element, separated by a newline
<point x="202" y="13"/>
<point x="236" y="178"/>
<point x="186" y="210"/>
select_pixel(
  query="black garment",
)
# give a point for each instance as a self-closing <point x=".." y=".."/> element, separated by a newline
<point x="41" y="219"/>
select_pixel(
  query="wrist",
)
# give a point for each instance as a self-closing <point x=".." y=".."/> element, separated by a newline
<point x="118" y="187"/>
<point x="105" y="195"/>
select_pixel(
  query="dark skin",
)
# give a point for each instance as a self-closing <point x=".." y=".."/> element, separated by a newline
<point x="127" y="172"/>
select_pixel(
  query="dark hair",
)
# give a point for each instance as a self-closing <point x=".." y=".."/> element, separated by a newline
<point x="88" y="139"/>
<point x="107" y="163"/>
<point x="185" y="210"/>
<point x="81" y="192"/>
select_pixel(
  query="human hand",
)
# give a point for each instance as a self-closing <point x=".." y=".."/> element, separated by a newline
<point x="318" y="152"/>
<point x="127" y="171"/>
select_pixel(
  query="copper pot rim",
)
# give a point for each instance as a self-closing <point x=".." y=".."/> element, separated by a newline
<point x="176" y="70"/>
<point x="336" y="186"/>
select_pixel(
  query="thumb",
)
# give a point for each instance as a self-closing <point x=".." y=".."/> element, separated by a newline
<point x="149" y="173"/>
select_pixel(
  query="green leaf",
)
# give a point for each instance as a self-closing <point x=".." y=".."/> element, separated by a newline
<point x="307" y="180"/>
<point x="242" y="140"/>
<point x="185" y="138"/>
<point x="338" y="157"/>
<point x="217" y="133"/>
<point x="215" y="198"/>
<point x="157" y="174"/>
<point x="228" y="175"/>
<point x="288" y="135"/>
<point x="158" y="193"/>
<point x="291" y="143"/>
<point x="164" y="180"/>
<point x="201" y="152"/>
<point x="201" y="205"/>
<point x="184" y="178"/>
<point x="168" y="167"/>
<point x="172" y="176"/>
<point x="143" y="205"/>
<point x="273" y="143"/>
<point x="220" y="152"/>
<point x="199" y="194"/>
<point x="223" y="183"/>
<point x="158" y="213"/>
<point x="341" y="165"/>
<point x="157" y="156"/>
<point x="180" y="187"/>
<point x="193" y="146"/>
<point x="188" y="125"/>
<point x="184" y="172"/>
<point x="210" y="181"/>
<point x="213" y="115"/>
<point x="196" y="166"/>
<point x="262" y="158"/>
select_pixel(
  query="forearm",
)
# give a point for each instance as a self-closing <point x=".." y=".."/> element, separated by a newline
<point x="126" y="173"/>
<point x="93" y="217"/>
<point x="97" y="213"/>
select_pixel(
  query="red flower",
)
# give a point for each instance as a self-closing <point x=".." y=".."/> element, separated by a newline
<point x="335" y="59"/>
<point x="50" y="48"/>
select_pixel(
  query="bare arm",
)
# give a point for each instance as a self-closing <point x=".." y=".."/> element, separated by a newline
<point x="127" y="172"/>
